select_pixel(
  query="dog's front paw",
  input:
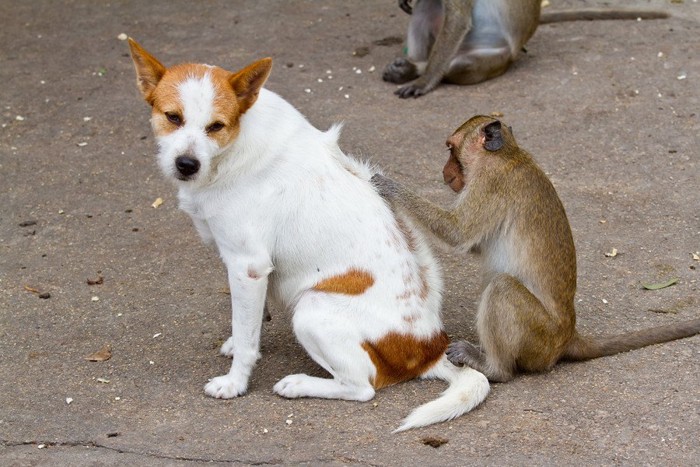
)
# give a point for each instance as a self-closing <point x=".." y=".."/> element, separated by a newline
<point x="225" y="387"/>
<point x="227" y="348"/>
<point x="292" y="386"/>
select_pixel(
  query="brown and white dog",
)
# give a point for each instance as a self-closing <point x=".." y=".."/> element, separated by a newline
<point x="296" y="221"/>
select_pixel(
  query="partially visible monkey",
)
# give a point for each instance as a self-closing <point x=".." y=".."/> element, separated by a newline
<point x="470" y="41"/>
<point x="508" y="211"/>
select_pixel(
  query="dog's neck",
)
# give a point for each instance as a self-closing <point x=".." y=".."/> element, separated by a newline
<point x="266" y="128"/>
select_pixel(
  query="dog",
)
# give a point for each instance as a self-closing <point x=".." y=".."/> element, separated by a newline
<point x="297" y="223"/>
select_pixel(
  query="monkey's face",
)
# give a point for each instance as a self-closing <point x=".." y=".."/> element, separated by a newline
<point x="452" y="173"/>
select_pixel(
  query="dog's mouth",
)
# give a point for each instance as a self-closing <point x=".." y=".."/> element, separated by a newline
<point x="184" y="178"/>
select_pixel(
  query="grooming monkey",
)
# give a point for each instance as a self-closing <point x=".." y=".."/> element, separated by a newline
<point x="508" y="211"/>
<point x="470" y="41"/>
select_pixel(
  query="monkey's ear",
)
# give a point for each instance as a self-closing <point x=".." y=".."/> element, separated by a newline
<point x="493" y="138"/>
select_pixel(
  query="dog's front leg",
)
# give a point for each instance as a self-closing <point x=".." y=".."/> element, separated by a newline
<point x="248" y="278"/>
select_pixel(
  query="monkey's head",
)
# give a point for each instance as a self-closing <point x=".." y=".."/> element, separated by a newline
<point x="477" y="140"/>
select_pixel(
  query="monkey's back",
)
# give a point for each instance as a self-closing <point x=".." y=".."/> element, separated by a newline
<point x="540" y="232"/>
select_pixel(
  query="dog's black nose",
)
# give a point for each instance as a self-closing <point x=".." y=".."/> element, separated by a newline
<point x="187" y="165"/>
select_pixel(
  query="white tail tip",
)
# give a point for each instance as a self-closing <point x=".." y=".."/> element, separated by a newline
<point x="468" y="388"/>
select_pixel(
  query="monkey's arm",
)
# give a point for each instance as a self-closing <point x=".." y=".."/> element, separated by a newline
<point x="442" y="223"/>
<point x="456" y="25"/>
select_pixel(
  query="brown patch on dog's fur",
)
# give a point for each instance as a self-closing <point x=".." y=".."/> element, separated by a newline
<point x="353" y="282"/>
<point x="400" y="357"/>
<point x="415" y="286"/>
<point x="407" y="233"/>
<point x="424" y="284"/>
<point x="410" y="319"/>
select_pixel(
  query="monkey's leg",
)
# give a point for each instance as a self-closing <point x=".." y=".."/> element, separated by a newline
<point x="425" y="23"/>
<point x="456" y="24"/>
<point x="475" y="65"/>
<point x="516" y="332"/>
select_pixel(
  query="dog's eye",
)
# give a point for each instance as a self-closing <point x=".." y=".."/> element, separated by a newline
<point x="214" y="127"/>
<point x="173" y="118"/>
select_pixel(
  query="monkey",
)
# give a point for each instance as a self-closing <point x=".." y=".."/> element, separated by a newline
<point x="508" y="211"/>
<point x="470" y="41"/>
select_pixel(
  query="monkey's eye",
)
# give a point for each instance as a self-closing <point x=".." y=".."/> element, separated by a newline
<point x="214" y="127"/>
<point x="174" y="118"/>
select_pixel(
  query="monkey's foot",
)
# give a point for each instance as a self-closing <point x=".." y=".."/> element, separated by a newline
<point x="465" y="353"/>
<point x="419" y="87"/>
<point x="400" y="71"/>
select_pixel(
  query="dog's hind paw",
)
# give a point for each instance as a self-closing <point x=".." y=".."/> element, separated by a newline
<point x="225" y="387"/>
<point x="227" y="347"/>
<point x="292" y="386"/>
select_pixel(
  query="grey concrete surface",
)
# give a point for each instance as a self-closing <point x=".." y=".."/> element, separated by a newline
<point x="611" y="110"/>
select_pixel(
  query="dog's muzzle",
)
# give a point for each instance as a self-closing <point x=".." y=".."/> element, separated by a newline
<point x="186" y="167"/>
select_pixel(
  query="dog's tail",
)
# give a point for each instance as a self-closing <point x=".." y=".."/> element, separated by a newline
<point x="468" y="388"/>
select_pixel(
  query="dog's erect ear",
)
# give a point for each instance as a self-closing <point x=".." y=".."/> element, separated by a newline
<point x="149" y="70"/>
<point x="493" y="137"/>
<point x="248" y="82"/>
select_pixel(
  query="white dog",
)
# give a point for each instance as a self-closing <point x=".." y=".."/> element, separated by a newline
<point x="297" y="221"/>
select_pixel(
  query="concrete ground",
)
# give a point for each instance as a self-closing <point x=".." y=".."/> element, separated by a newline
<point x="611" y="110"/>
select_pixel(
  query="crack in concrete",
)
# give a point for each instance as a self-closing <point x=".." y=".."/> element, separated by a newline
<point x="94" y="444"/>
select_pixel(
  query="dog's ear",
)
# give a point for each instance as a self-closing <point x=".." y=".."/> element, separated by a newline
<point x="149" y="70"/>
<point x="248" y="82"/>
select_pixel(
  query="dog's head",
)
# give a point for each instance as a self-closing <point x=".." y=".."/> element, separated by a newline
<point x="196" y="110"/>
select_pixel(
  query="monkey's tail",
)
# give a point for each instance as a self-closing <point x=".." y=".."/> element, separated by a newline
<point x="581" y="348"/>
<point x="597" y="14"/>
<point x="468" y="388"/>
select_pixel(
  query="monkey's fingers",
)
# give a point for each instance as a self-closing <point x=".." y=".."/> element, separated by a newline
<point x="405" y="5"/>
<point x="386" y="187"/>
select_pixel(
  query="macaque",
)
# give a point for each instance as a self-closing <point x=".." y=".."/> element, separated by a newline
<point x="470" y="41"/>
<point x="508" y="210"/>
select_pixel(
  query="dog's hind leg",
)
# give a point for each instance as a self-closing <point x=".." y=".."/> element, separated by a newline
<point x="334" y="343"/>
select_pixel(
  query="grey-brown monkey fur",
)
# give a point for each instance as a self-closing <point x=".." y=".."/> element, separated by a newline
<point x="509" y="212"/>
<point x="470" y="41"/>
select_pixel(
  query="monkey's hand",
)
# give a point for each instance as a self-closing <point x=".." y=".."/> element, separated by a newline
<point x="386" y="187"/>
<point x="405" y="5"/>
